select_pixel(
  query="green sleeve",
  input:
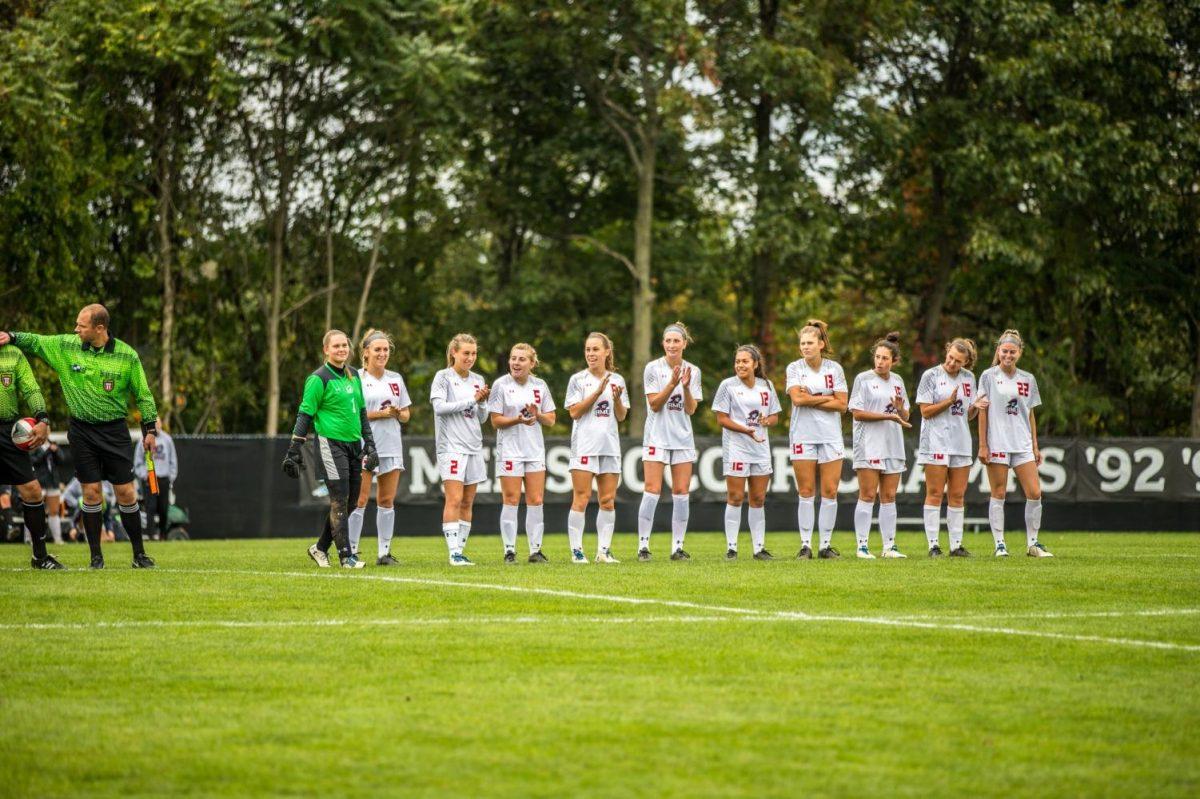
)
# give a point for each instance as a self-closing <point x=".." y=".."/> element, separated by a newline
<point x="141" y="392"/>
<point x="311" y="401"/>
<point x="28" y="387"/>
<point x="45" y="347"/>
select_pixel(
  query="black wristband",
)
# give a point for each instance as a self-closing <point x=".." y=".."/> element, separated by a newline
<point x="42" y="416"/>
<point x="149" y="429"/>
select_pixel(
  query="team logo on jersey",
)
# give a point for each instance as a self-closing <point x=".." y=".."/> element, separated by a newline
<point x="109" y="384"/>
<point x="956" y="408"/>
<point x="395" y="387"/>
<point x="890" y="408"/>
<point x="1013" y="407"/>
<point x="752" y="419"/>
<point x="469" y="413"/>
<point x="6" y="379"/>
<point x="603" y="408"/>
<point x="675" y="402"/>
<point x="383" y="406"/>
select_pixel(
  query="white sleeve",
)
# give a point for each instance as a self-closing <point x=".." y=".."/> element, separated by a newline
<point x="547" y="399"/>
<point x="650" y="380"/>
<point x="1035" y="396"/>
<point x="696" y="386"/>
<point x="624" y="393"/>
<point x="720" y="403"/>
<point x="985" y="385"/>
<point x="774" y="407"/>
<point x="495" y="400"/>
<point x="439" y="388"/>
<point x="793" y="376"/>
<point x="925" y="388"/>
<point x="839" y="378"/>
<point x="403" y="401"/>
<point x="574" y="392"/>
<point x="856" y="397"/>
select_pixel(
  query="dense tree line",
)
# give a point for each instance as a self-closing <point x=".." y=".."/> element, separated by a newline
<point x="234" y="176"/>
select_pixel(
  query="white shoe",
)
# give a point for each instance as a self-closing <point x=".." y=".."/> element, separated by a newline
<point x="864" y="553"/>
<point x="1001" y="550"/>
<point x="892" y="552"/>
<point x="459" y="559"/>
<point x="577" y="556"/>
<point x="319" y="557"/>
<point x="604" y="556"/>
<point x="1038" y="551"/>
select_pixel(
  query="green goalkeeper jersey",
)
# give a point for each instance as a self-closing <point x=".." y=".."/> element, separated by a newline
<point x="96" y="382"/>
<point x="16" y="383"/>
<point x="333" y="398"/>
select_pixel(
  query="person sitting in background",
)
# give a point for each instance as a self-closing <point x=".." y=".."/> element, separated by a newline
<point x="73" y="501"/>
<point x="166" y="467"/>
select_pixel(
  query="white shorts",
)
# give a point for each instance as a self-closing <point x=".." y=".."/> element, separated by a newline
<point x="821" y="453"/>
<point x="466" y="469"/>
<point x="596" y="464"/>
<point x="506" y="467"/>
<point x="941" y="459"/>
<point x="389" y="465"/>
<point x="743" y="469"/>
<point x="885" y="465"/>
<point x="658" y="454"/>
<point x="1012" y="459"/>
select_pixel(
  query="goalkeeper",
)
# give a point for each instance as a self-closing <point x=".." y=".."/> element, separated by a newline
<point x="333" y="407"/>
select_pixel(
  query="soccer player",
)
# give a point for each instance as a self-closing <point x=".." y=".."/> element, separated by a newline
<point x="43" y="469"/>
<point x="458" y="397"/>
<point x="99" y="374"/>
<point x="333" y="407"/>
<point x="597" y="400"/>
<point x="166" y="470"/>
<point x="816" y="385"/>
<point x="388" y="406"/>
<point x="746" y="405"/>
<point x="17" y="386"/>
<point x="673" y="392"/>
<point x="878" y="404"/>
<point x="519" y="406"/>
<point x="1008" y="440"/>
<point x="946" y="396"/>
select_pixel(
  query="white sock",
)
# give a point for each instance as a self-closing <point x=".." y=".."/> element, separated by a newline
<point x="385" y="520"/>
<point x="606" y="522"/>
<point x="355" y="523"/>
<point x="464" y="532"/>
<point x="954" y="525"/>
<point x="996" y="519"/>
<point x="805" y="513"/>
<point x="933" y="524"/>
<point x="450" y="533"/>
<point x="575" y="520"/>
<point x="1033" y="520"/>
<point x="862" y="521"/>
<point x="827" y="520"/>
<point x="680" y="511"/>
<point x="508" y="526"/>
<point x="534" y="527"/>
<point x="887" y="524"/>
<point x="55" y="524"/>
<point x="646" y="519"/>
<point x="733" y="525"/>
<point x="758" y="528"/>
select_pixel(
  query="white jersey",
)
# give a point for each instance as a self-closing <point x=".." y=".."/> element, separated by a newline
<point x="882" y="439"/>
<point x="813" y="425"/>
<point x="387" y="392"/>
<point x="746" y="406"/>
<point x="521" y="442"/>
<point x="948" y="433"/>
<point x="457" y="432"/>
<point x="595" y="432"/>
<point x="671" y="427"/>
<point x="1010" y="401"/>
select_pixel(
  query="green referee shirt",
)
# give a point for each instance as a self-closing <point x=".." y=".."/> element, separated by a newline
<point x="17" y="382"/>
<point x="334" y="399"/>
<point x="97" y="382"/>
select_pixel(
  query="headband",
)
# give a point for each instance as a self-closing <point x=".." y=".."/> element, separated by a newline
<point x="1012" y="340"/>
<point x="376" y="336"/>
<point x="675" y="328"/>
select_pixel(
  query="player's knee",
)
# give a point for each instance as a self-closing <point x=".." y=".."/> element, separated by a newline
<point x="933" y="496"/>
<point x="866" y="494"/>
<point x="608" y="501"/>
<point x="386" y="504"/>
<point x="806" y="492"/>
<point x="533" y="499"/>
<point x="30" y="492"/>
<point x="735" y="499"/>
<point x="1035" y="494"/>
<point x="956" y="498"/>
<point x="758" y="500"/>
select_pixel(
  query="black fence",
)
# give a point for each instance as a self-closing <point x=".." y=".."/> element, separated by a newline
<point x="233" y="488"/>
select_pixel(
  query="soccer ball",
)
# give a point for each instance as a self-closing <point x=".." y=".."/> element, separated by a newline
<point x="22" y="433"/>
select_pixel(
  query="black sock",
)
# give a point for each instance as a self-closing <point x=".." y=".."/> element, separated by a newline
<point x="92" y="522"/>
<point x="326" y="539"/>
<point x="131" y="520"/>
<point x="35" y="520"/>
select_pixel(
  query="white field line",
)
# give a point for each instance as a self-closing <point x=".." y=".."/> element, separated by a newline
<point x="1099" y="614"/>
<point x="402" y="622"/>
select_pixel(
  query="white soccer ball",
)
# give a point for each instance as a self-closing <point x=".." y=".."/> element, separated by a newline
<point x="22" y="433"/>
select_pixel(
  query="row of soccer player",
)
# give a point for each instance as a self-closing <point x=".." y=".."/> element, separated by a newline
<point x="357" y="420"/>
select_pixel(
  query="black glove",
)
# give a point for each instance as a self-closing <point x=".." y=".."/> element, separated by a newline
<point x="370" y="457"/>
<point x="293" y="462"/>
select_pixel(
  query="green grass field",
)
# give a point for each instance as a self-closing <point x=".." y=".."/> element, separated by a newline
<point x="239" y="668"/>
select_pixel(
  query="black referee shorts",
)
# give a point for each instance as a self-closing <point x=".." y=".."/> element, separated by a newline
<point x="101" y="451"/>
<point x="16" y="467"/>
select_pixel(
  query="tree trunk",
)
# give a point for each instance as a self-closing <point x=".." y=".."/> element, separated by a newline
<point x="934" y="301"/>
<point x="166" y="265"/>
<point x="643" y="296"/>
<point x="762" y="289"/>
<point x="372" y="268"/>
<point x="278" y="232"/>
<point x="329" y="269"/>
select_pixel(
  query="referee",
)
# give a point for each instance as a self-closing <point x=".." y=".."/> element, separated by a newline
<point x="16" y="467"/>
<point x="98" y="374"/>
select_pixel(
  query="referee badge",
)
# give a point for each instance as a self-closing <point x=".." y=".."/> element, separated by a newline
<point x="6" y="379"/>
<point x="108" y="384"/>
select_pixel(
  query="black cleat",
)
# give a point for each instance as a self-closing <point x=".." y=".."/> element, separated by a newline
<point x="935" y="551"/>
<point x="143" y="561"/>
<point x="960" y="552"/>
<point x="828" y="553"/>
<point x="537" y="557"/>
<point x="644" y="555"/>
<point x="48" y="562"/>
<point x="97" y="562"/>
<point x="387" y="560"/>
<point x="680" y="554"/>
<point x="805" y="553"/>
<point x="731" y="554"/>
<point x="763" y="554"/>
<point x="510" y="557"/>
